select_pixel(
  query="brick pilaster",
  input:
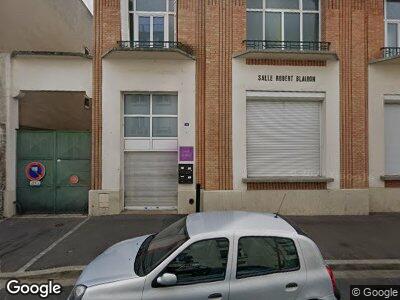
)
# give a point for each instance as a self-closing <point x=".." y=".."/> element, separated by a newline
<point x="107" y="31"/>
<point x="355" y="28"/>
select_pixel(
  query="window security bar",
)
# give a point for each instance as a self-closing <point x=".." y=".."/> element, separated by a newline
<point x="390" y="51"/>
<point x="155" y="44"/>
<point x="287" y="45"/>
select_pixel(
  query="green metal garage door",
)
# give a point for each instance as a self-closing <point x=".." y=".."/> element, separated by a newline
<point x="66" y="157"/>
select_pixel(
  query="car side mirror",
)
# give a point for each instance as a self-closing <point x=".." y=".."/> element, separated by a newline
<point x="167" y="279"/>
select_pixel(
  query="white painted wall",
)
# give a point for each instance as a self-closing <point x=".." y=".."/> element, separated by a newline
<point x="245" y="78"/>
<point x="129" y="75"/>
<point x="384" y="79"/>
<point x="51" y="73"/>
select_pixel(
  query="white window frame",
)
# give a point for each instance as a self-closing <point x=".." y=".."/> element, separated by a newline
<point x="136" y="14"/>
<point x="300" y="10"/>
<point x="391" y="21"/>
<point x="150" y="139"/>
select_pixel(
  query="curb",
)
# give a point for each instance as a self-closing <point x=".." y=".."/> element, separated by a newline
<point x="363" y="264"/>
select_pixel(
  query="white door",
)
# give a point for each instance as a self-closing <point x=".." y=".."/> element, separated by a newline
<point x="151" y="180"/>
<point x="151" y="29"/>
<point x="202" y="271"/>
<point x="266" y="268"/>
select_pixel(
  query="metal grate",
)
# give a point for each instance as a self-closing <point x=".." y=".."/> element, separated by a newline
<point x="390" y="51"/>
<point x="155" y="45"/>
<point x="287" y="45"/>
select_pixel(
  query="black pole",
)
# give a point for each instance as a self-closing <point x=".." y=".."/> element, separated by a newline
<point x="198" y="187"/>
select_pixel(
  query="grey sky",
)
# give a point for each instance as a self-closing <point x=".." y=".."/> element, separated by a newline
<point x="89" y="3"/>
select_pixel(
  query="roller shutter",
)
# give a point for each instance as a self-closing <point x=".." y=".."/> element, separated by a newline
<point x="392" y="138"/>
<point x="151" y="180"/>
<point x="283" y="138"/>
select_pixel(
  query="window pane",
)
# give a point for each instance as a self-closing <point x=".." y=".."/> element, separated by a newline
<point x="254" y="25"/>
<point x="273" y="27"/>
<point x="254" y="3"/>
<point x="292" y="27"/>
<point x="137" y="127"/>
<point x="144" y="29"/>
<point x="171" y="28"/>
<point x="137" y="104"/>
<point x="203" y="261"/>
<point x="165" y="104"/>
<point x="393" y="9"/>
<point x="288" y="254"/>
<point x="158" y="29"/>
<point x="132" y="27"/>
<point x="171" y="5"/>
<point x="165" y="127"/>
<point x="392" y="35"/>
<point x="151" y="5"/>
<point x="256" y="256"/>
<point x="131" y="4"/>
<point x="311" y="4"/>
<point x="311" y="27"/>
<point x="282" y="4"/>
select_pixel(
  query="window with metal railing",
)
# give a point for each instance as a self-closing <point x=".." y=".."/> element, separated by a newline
<point x="152" y="23"/>
<point x="284" y="24"/>
<point x="392" y="28"/>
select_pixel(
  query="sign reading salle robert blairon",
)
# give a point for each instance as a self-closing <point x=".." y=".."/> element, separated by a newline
<point x="286" y="78"/>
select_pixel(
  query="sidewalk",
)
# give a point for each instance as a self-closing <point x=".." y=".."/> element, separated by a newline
<point x="36" y="243"/>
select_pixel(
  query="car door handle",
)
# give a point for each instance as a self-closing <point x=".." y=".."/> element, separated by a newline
<point x="291" y="286"/>
<point x="215" y="296"/>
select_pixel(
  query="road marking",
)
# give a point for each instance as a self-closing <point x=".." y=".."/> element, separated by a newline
<point x="363" y="262"/>
<point x="41" y="254"/>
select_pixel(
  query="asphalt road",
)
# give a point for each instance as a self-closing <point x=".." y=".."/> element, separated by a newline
<point x="22" y="239"/>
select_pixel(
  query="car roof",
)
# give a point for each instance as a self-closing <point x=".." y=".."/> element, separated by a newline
<point x="233" y="221"/>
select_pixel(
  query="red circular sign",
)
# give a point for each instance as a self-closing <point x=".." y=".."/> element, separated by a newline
<point x="35" y="171"/>
<point x="73" y="179"/>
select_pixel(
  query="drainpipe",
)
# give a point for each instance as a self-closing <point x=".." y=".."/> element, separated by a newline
<point x="198" y="196"/>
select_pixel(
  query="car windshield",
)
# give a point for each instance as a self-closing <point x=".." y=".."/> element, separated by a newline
<point x="158" y="247"/>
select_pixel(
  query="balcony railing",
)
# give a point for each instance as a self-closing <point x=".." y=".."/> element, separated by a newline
<point x="286" y="45"/>
<point x="390" y="51"/>
<point x="155" y="45"/>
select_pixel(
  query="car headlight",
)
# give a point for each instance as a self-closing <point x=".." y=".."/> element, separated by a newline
<point x="77" y="292"/>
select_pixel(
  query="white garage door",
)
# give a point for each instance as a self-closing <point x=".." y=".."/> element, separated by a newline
<point x="151" y="180"/>
<point x="283" y="138"/>
<point x="392" y="138"/>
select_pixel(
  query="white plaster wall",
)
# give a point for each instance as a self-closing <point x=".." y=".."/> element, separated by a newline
<point x="11" y="124"/>
<point x="129" y="75"/>
<point x="245" y="78"/>
<point x="51" y="73"/>
<point x="384" y="79"/>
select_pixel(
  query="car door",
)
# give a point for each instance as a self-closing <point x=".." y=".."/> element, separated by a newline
<point x="202" y="272"/>
<point x="266" y="267"/>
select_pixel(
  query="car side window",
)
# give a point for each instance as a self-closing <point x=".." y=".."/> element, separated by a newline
<point x="203" y="261"/>
<point x="289" y="260"/>
<point x="259" y="256"/>
<point x="256" y="256"/>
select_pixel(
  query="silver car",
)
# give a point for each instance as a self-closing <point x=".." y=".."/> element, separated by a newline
<point x="215" y="255"/>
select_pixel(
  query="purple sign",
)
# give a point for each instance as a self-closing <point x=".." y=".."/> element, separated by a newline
<point x="186" y="154"/>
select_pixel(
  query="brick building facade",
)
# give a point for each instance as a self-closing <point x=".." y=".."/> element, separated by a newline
<point x="223" y="79"/>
